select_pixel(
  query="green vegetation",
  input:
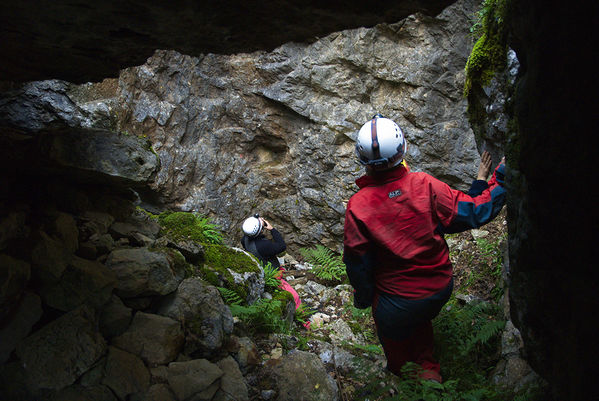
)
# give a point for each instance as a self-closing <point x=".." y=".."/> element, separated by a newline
<point x="327" y="264"/>
<point x="271" y="277"/>
<point x="489" y="53"/>
<point x="493" y="255"/>
<point x="467" y="341"/>
<point x="467" y="335"/>
<point x="264" y="316"/>
<point x="190" y="226"/>
<point x="220" y="261"/>
<point x="303" y="313"/>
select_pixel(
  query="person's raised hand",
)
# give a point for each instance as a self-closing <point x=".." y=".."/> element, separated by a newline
<point x="267" y="224"/>
<point x="485" y="166"/>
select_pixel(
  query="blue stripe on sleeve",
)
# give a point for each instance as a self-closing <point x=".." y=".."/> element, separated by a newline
<point x="471" y="216"/>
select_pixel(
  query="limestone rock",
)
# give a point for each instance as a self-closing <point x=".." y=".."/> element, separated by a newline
<point x="340" y="332"/>
<point x="95" y="223"/>
<point x="57" y="354"/>
<point x="126" y="374"/>
<point x="66" y="230"/>
<point x="14" y="275"/>
<point x="84" y="393"/>
<point x="206" y="319"/>
<point x="104" y="156"/>
<point x="300" y="375"/>
<point x="159" y="392"/>
<point x="156" y="339"/>
<point x="193" y="251"/>
<point x="50" y="257"/>
<point x="114" y="318"/>
<point x="197" y="378"/>
<point x="232" y="384"/>
<point x="245" y="352"/>
<point x="12" y="227"/>
<point x="27" y="312"/>
<point x="83" y="281"/>
<point x="143" y="272"/>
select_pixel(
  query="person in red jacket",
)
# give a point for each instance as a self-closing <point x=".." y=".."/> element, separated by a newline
<point x="395" y="255"/>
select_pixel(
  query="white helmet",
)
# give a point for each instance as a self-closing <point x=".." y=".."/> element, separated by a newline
<point x="252" y="226"/>
<point x="380" y="143"/>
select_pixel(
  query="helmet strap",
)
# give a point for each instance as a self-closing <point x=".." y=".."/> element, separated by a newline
<point x="375" y="140"/>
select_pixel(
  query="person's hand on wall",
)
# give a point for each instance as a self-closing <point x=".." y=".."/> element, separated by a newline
<point x="485" y="166"/>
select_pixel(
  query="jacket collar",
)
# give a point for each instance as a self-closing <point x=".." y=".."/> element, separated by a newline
<point x="381" y="177"/>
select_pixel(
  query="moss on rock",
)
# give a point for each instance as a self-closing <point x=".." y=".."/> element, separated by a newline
<point x="220" y="261"/>
<point x="188" y="226"/>
<point x="489" y="54"/>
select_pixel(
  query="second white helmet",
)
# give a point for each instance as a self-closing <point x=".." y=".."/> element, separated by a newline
<point x="381" y="143"/>
<point x="252" y="226"/>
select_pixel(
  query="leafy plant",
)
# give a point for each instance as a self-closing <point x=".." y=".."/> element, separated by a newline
<point x="230" y="297"/>
<point x="184" y="225"/>
<point x="271" y="276"/>
<point x="264" y="316"/>
<point x="467" y="341"/>
<point x="303" y="313"/>
<point x="492" y="254"/>
<point x="327" y="264"/>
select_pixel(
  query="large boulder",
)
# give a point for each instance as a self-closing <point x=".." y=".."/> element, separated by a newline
<point x="125" y="374"/>
<point x="56" y="355"/>
<point x="156" y="339"/>
<point x="300" y="375"/>
<point x="141" y="271"/>
<point x="206" y="319"/>
<point x="83" y="282"/>
<point x="195" y="379"/>
<point x="27" y="312"/>
<point x="232" y="383"/>
<point x="14" y="276"/>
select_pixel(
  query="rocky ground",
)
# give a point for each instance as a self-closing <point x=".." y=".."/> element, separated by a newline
<point x="345" y="338"/>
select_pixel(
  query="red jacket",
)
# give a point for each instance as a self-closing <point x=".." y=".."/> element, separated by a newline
<point x="393" y="233"/>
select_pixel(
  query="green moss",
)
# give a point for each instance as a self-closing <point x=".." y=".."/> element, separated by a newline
<point x="188" y="226"/>
<point x="229" y="258"/>
<point x="285" y="297"/>
<point x="489" y="54"/>
<point x="219" y="259"/>
<point x="177" y="260"/>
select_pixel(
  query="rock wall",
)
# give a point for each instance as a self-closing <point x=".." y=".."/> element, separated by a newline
<point x="551" y="217"/>
<point x="63" y="39"/>
<point x="273" y="132"/>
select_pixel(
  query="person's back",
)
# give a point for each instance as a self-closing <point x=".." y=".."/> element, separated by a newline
<point x="396" y="257"/>
<point x="255" y="242"/>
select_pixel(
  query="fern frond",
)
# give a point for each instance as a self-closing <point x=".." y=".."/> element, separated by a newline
<point x="327" y="265"/>
<point x="271" y="276"/>
<point x="488" y="330"/>
<point x="229" y="296"/>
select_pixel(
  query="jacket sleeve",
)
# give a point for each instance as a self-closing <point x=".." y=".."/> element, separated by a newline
<point x="274" y="247"/>
<point x="477" y="187"/>
<point x="459" y="212"/>
<point x="359" y="262"/>
<point x="359" y="272"/>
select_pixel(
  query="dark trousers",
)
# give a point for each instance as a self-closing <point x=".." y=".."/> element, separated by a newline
<point x="405" y="330"/>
